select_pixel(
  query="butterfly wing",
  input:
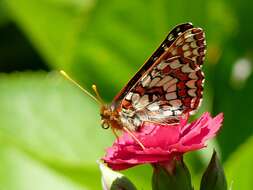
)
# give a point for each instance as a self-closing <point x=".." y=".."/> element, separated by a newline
<point x="169" y="84"/>
<point x="171" y="37"/>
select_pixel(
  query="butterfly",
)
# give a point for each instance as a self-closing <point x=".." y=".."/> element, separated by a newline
<point x="167" y="86"/>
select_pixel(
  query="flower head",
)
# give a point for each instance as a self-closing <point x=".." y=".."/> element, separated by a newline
<point x="162" y="142"/>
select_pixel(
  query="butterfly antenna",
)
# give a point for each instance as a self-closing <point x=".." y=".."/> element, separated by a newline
<point x="94" y="87"/>
<point x="79" y="86"/>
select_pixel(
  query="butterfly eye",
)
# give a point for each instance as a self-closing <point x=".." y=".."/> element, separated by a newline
<point x="105" y="125"/>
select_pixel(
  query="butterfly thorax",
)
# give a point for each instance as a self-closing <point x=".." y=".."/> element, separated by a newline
<point x="110" y="117"/>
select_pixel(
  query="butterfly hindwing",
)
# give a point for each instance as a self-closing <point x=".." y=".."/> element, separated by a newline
<point x="175" y="88"/>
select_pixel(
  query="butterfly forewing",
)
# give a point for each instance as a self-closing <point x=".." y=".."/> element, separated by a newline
<point x="169" y="84"/>
<point x="170" y="38"/>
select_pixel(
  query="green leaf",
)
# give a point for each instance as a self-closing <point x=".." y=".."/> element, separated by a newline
<point x="214" y="177"/>
<point x="239" y="167"/>
<point x="52" y="25"/>
<point x="140" y="175"/>
<point x="19" y="172"/>
<point x="52" y="122"/>
<point x="176" y="178"/>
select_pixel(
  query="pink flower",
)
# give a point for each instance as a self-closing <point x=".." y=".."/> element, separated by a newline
<point x="162" y="142"/>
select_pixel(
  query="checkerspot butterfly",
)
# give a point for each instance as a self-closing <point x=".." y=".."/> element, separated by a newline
<point x="167" y="86"/>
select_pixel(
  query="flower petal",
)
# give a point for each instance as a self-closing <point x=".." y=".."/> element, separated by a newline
<point x="202" y="129"/>
<point x="162" y="142"/>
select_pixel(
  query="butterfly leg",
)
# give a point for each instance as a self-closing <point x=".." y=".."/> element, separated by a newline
<point x="115" y="134"/>
<point x="134" y="137"/>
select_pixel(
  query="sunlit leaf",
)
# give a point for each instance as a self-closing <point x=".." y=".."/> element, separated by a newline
<point x="52" y="122"/>
<point x="238" y="167"/>
<point x="19" y="171"/>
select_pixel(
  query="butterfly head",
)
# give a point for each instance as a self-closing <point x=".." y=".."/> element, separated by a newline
<point x="105" y="114"/>
<point x="109" y="117"/>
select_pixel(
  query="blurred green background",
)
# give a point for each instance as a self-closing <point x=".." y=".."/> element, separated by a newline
<point x="50" y="137"/>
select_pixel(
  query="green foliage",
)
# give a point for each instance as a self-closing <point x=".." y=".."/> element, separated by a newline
<point x="19" y="171"/>
<point x="239" y="167"/>
<point x="49" y="127"/>
<point x="49" y="134"/>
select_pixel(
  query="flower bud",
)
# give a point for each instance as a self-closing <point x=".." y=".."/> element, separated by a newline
<point x="214" y="177"/>
<point x="173" y="175"/>
<point x="112" y="180"/>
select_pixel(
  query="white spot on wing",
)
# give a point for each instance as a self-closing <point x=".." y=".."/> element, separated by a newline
<point x="153" y="73"/>
<point x="165" y="107"/>
<point x="170" y="83"/>
<point x="193" y="44"/>
<point x="135" y="98"/>
<point x="200" y="102"/>
<point x="195" y="52"/>
<point x="175" y="103"/>
<point x="174" y="52"/>
<point x="143" y="102"/>
<point x="191" y="83"/>
<point x="129" y="96"/>
<point x="171" y="96"/>
<point x="189" y="38"/>
<point x="154" y="97"/>
<point x="154" y="82"/>
<point x="153" y="107"/>
<point x="193" y="102"/>
<point x="179" y="41"/>
<point x="187" y="53"/>
<point x="185" y="47"/>
<point x="187" y="69"/>
<point x="165" y="47"/>
<point x="146" y="81"/>
<point x="175" y="64"/>
<point x="171" y="37"/>
<point x="162" y="65"/>
<point x="136" y="121"/>
<point x="172" y="88"/>
<point x="193" y="75"/>
<point x="194" y="58"/>
<point x="187" y="34"/>
<point x="192" y="92"/>
<point x="177" y="112"/>
<point x="164" y="81"/>
<point x="167" y="113"/>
